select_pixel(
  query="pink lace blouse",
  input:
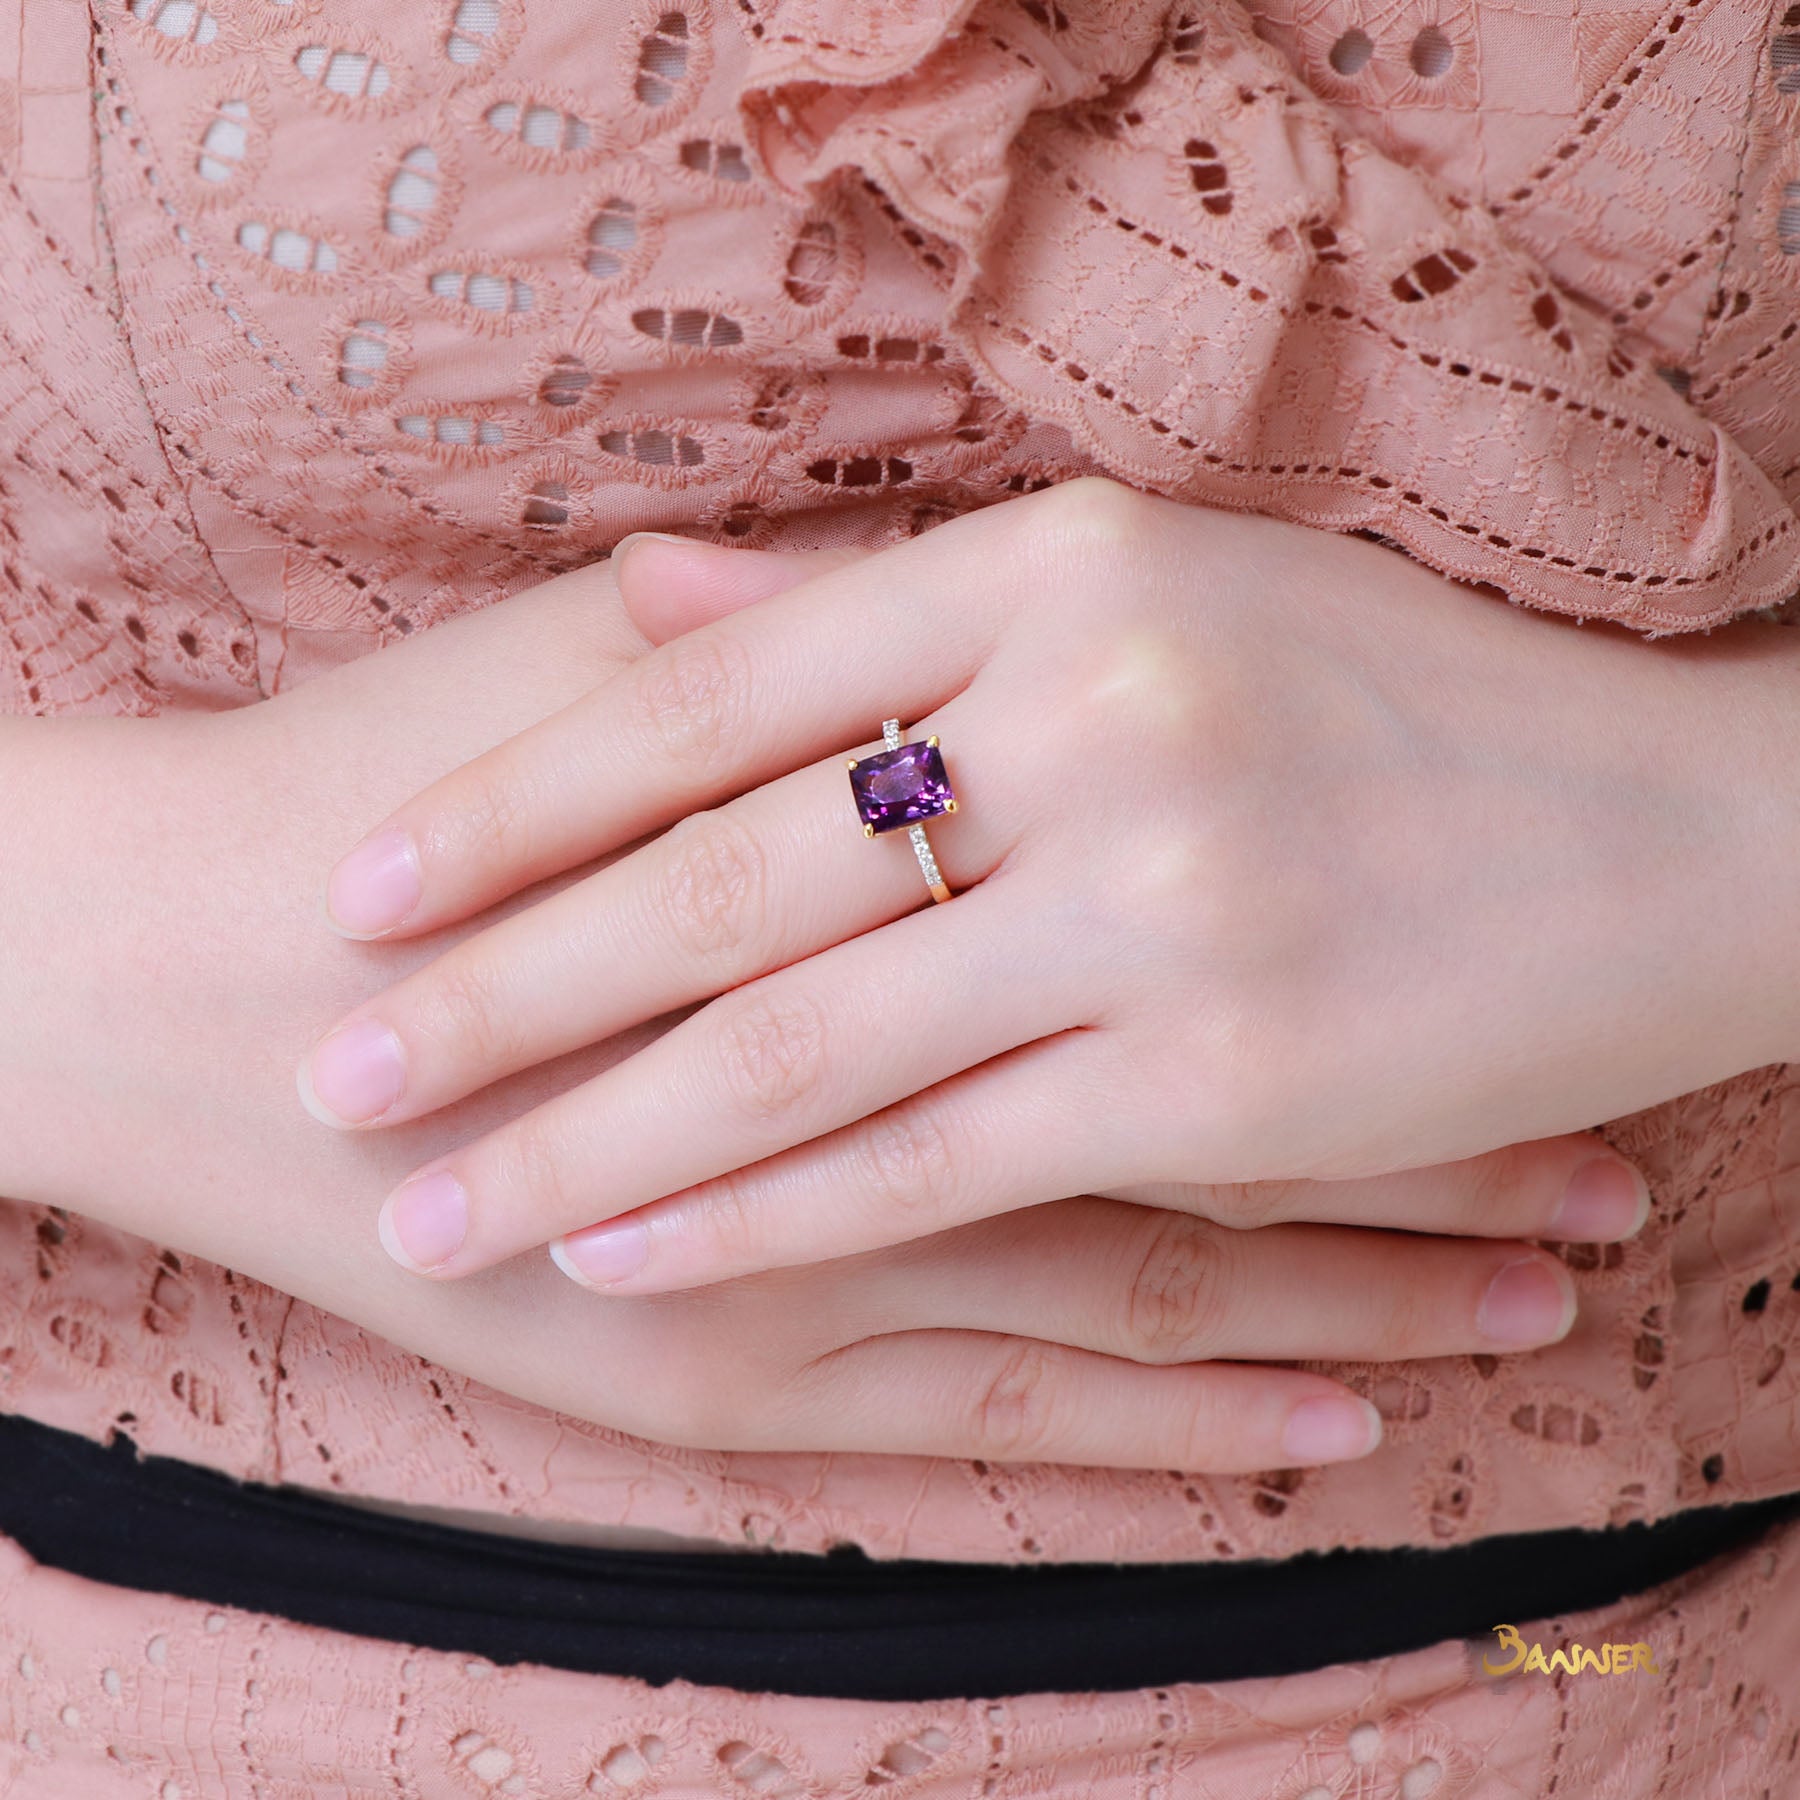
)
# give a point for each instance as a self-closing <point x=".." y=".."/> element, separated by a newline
<point x="322" y="322"/>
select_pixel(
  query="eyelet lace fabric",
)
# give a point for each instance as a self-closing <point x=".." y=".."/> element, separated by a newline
<point x="337" y="322"/>
<point x="116" y="1696"/>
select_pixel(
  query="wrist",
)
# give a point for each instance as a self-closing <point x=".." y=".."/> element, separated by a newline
<point x="1743" y="742"/>
<point x="66" y="881"/>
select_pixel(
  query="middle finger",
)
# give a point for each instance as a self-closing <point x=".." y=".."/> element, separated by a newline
<point x="1166" y="1287"/>
<point x="799" y="1053"/>
<point x="726" y="896"/>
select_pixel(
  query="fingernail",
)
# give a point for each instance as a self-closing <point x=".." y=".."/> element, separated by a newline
<point x="603" y="1254"/>
<point x="1526" y="1303"/>
<point x="633" y="538"/>
<point x="1605" y="1199"/>
<point x="1331" y="1428"/>
<point x="375" y="886"/>
<point x="423" y="1221"/>
<point x="353" y="1075"/>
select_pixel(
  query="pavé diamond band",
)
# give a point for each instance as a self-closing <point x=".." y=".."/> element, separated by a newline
<point x="902" y="785"/>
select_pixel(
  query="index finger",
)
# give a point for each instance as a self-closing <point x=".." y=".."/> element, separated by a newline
<point x="702" y="719"/>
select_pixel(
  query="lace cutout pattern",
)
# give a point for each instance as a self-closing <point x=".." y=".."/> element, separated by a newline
<point x="116" y="1695"/>
<point x="1681" y="1384"/>
<point x="395" y="313"/>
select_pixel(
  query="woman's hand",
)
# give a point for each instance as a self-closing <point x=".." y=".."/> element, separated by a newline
<point x="163" y="962"/>
<point x="1283" y="863"/>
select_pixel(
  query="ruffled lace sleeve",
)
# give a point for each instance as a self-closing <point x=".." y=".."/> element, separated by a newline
<point x="1151" y="230"/>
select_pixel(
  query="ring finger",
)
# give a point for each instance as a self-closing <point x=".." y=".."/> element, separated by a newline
<point x="1026" y="1339"/>
<point x="724" y="897"/>
<point x="1167" y="1287"/>
<point x="756" y="1072"/>
<point x="1001" y="1398"/>
<point x="1039" y="1123"/>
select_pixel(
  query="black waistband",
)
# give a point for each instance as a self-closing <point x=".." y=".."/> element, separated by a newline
<point x="839" y="1626"/>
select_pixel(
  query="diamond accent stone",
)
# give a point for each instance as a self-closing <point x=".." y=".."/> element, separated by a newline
<point x="922" y="849"/>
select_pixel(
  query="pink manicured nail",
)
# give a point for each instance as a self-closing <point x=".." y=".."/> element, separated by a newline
<point x="424" y="1221"/>
<point x="603" y="1254"/>
<point x="1606" y="1199"/>
<point x="1526" y="1304"/>
<point x="375" y="886"/>
<point x="1332" y="1428"/>
<point x="354" y="1073"/>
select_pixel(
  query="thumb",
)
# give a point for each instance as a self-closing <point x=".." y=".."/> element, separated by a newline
<point x="673" y="585"/>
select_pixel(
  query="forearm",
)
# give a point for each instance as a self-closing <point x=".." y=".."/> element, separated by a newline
<point x="162" y="969"/>
<point x="1729" y="738"/>
<point x="160" y="879"/>
<point x="67" y="881"/>
<point x="165" y="961"/>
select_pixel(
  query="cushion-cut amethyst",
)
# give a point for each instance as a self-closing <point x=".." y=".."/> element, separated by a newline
<point x="899" y="787"/>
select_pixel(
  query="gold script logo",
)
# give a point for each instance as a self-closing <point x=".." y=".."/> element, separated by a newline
<point x="1609" y="1659"/>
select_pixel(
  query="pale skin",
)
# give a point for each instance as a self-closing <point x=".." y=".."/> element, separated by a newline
<point x="1283" y="865"/>
<point x="1249" y="813"/>
<point x="155" y="1013"/>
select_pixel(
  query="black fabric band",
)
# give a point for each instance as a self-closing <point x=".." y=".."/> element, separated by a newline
<point x="839" y="1626"/>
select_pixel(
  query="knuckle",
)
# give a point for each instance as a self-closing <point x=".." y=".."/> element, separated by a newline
<point x="906" y="1166"/>
<point x="688" y="698"/>
<point x="714" y="888"/>
<point x="465" y="1009"/>
<point x="735" y="1226"/>
<point x="1179" y="1298"/>
<point x="536" y="1177"/>
<point x="773" y="1054"/>
<point x="1494" y="1186"/>
<point x="1204" y="1430"/>
<point x="1097" y="513"/>
<point x="1410" y="1320"/>
<point x="1015" y="1413"/>
<point x="490" y="821"/>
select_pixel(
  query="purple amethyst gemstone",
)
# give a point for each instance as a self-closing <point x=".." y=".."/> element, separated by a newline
<point x="895" y="788"/>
